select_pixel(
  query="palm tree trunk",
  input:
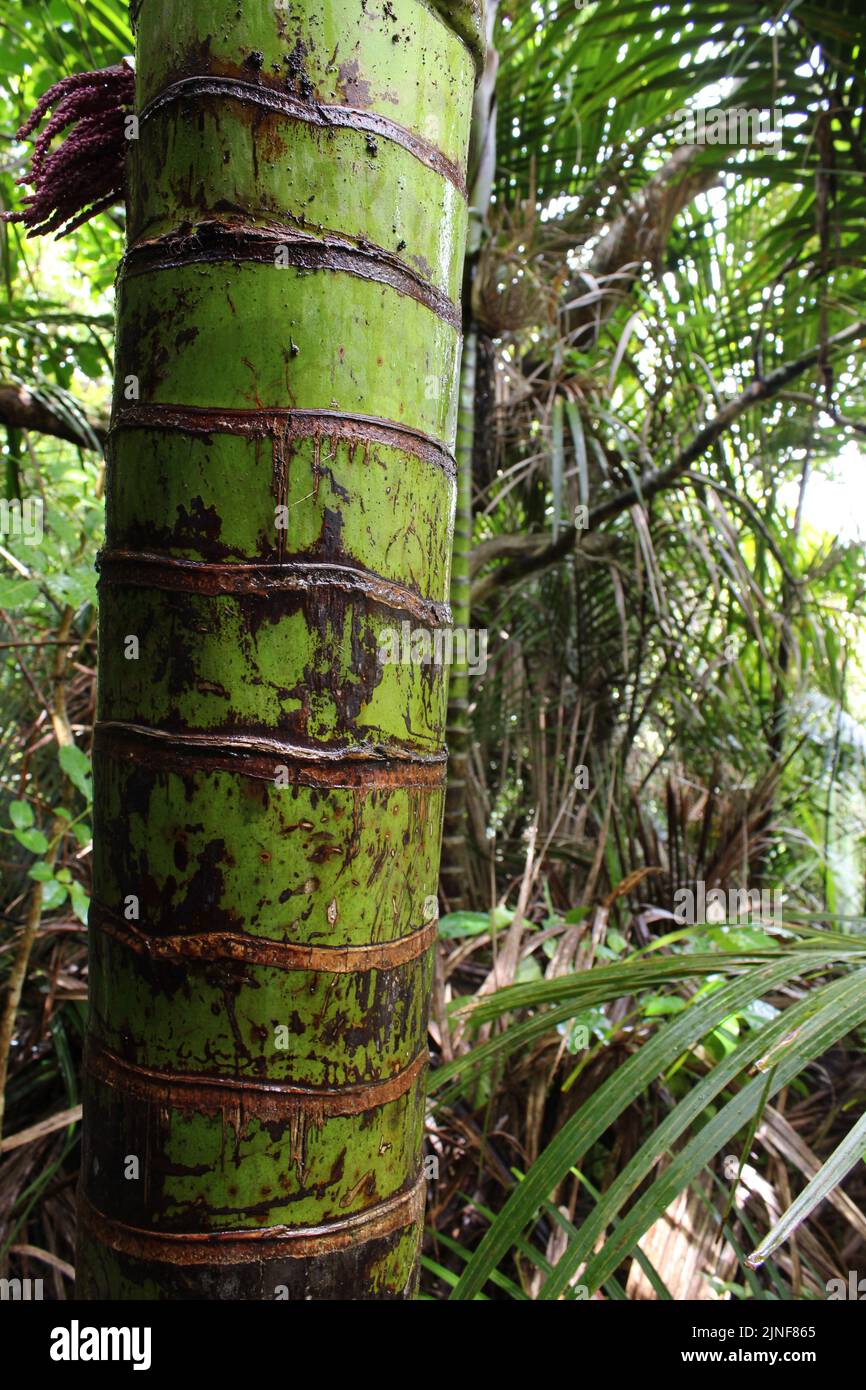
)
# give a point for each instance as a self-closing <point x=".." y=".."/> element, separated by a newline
<point x="455" y="865"/>
<point x="268" y="771"/>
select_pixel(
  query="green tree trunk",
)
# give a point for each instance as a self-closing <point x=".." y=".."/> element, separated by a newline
<point x="269" y="781"/>
<point x="455" y="865"/>
<point x="457" y="853"/>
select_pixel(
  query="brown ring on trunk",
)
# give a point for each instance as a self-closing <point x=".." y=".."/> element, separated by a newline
<point x="297" y="424"/>
<point x="266" y="1100"/>
<point x="367" y="766"/>
<point x="155" y="570"/>
<point x="271" y="1242"/>
<point x="216" y="242"/>
<point x="256" y="950"/>
<point x="323" y="116"/>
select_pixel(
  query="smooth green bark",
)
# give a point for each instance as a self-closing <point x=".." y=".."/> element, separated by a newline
<point x="269" y="785"/>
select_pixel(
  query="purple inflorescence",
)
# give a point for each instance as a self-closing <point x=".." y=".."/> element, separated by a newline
<point x="85" y="173"/>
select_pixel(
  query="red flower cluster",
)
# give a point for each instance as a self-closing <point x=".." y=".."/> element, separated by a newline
<point x="85" y="173"/>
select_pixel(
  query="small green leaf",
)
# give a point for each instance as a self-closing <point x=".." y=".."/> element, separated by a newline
<point x="457" y="924"/>
<point x="80" y="902"/>
<point x="663" y="1004"/>
<point x="730" y="938"/>
<point x="33" y="840"/>
<point x="41" y="873"/>
<point x="21" y="814"/>
<point x="528" y="969"/>
<point x="76" y="765"/>
<point x="53" y="894"/>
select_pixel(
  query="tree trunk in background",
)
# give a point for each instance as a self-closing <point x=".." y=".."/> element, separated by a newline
<point x="268" y="785"/>
<point x="455" y="868"/>
<point x="456" y="875"/>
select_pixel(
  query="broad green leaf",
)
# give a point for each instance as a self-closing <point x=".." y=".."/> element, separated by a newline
<point x="599" y="1112"/>
<point x="17" y="593"/>
<point x="842" y="1007"/>
<point x="843" y="1158"/>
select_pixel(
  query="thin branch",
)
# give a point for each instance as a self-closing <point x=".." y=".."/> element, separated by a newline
<point x="23" y="409"/>
<point x="659" y="480"/>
